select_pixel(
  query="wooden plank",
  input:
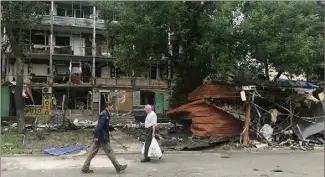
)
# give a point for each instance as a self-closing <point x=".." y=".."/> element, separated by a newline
<point x="247" y="121"/>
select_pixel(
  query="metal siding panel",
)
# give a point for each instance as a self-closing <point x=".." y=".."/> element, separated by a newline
<point x="5" y="101"/>
<point x="159" y="102"/>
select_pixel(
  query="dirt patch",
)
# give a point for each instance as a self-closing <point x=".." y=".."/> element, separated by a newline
<point x="177" y="139"/>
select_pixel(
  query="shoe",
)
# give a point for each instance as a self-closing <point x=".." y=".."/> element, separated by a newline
<point x="121" y="168"/>
<point x="87" y="171"/>
<point x="146" y="159"/>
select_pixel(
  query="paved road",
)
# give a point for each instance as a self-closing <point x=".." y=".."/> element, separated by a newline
<point x="242" y="164"/>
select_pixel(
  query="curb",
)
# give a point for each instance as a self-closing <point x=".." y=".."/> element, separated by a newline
<point x="83" y="152"/>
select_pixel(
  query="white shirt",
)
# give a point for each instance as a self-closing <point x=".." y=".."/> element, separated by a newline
<point x="151" y="119"/>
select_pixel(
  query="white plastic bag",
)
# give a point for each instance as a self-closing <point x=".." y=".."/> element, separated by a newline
<point x="154" y="149"/>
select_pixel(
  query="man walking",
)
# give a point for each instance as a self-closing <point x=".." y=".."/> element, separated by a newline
<point x="151" y="125"/>
<point x="101" y="139"/>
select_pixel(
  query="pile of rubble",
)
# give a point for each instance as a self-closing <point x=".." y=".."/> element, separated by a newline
<point x="174" y="137"/>
<point x="295" y="137"/>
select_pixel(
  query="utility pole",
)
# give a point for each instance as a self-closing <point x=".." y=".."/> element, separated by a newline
<point x="169" y="69"/>
<point x="51" y="44"/>
<point x="94" y="58"/>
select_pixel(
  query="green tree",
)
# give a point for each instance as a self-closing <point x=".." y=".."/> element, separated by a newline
<point x="142" y="33"/>
<point x="137" y="37"/>
<point x="18" y="17"/>
<point x="284" y="35"/>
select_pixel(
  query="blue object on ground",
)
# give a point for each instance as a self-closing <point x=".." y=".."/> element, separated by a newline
<point x="60" y="151"/>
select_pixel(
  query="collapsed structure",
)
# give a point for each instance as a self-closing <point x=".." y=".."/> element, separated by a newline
<point x="279" y="109"/>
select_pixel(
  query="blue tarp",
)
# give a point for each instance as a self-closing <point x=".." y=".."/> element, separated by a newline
<point x="293" y="83"/>
<point x="61" y="151"/>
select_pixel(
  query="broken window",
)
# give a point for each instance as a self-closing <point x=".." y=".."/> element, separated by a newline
<point x="79" y="14"/>
<point x="87" y="12"/>
<point x="62" y="41"/>
<point x="36" y="97"/>
<point x="39" y="39"/>
<point x="69" y="13"/>
<point x="147" y="97"/>
<point x="61" y="12"/>
<point x="153" y="72"/>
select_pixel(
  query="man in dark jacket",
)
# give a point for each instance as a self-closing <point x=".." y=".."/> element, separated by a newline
<point x="101" y="139"/>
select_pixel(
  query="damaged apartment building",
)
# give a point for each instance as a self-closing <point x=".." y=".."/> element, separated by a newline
<point x="79" y="74"/>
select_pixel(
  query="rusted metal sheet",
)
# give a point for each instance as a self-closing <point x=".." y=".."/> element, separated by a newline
<point x="208" y="120"/>
<point x="212" y="90"/>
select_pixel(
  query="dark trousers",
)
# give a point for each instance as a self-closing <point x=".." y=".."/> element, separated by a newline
<point x="148" y="142"/>
<point x="93" y="151"/>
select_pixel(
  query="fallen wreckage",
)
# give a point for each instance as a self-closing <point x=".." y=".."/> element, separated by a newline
<point x="278" y="113"/>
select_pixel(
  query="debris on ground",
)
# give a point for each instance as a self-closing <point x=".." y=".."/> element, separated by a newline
<point x="65" y="150"/>
<point x="276" y="170"/>
<point x="84" y="123"/>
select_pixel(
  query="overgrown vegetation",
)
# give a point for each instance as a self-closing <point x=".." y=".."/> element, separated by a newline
<point x="34" y="142"/>
<point x="18" y="17"/>
<point x="217" y="37"/>
<point x="208" y="37"/>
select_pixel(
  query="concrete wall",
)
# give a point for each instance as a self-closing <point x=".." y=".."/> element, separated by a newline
<point x="78" y="45"/>
<point x="39" y="69"/>
<point x="12" y="72"/>
<point x="106" y="72"/>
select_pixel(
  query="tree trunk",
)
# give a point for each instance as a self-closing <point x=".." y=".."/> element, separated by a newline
<point x="19" y="99"/>
<point x="278" y="75"/>
<point x="266" y="69"/>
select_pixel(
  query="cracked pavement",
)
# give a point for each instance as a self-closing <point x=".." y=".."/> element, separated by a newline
<point x="183" y="164"/>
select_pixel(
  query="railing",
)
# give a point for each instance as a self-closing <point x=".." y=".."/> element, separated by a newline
<point x="70" y="50"/>
<point x="126" y="82"/>
<point x="74" y="80"/>
<point x="64" y="80"/>
<point x="75" y="22"/>
<point x="57" y="80"/>
<point x="32" y="79"/>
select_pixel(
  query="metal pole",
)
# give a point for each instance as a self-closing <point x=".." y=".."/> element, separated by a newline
<point x="94" y="41"/>
<point x="51" y="43"/>
<point x="94" y="57"/>
<point x="291" y="114"/>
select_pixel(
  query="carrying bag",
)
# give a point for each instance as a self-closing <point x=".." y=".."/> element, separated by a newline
<point x="154" y="149"/>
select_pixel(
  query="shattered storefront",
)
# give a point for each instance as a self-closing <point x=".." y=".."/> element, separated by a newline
<point x="38" y="102"/>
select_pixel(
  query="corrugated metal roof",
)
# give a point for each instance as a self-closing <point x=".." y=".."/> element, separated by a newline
<point x="212" y="90"/>
<point x="208" y="120"/>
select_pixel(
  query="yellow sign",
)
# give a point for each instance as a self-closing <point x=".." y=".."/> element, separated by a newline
<point x="41" y="112"/>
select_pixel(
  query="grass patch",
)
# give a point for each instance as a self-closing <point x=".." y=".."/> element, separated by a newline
<point x="34" y="142"/>
<point x="12" y="143"/>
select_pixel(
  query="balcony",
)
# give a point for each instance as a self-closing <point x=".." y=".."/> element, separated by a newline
<point x="70" y="50"/>
<point x="126" y="82"/>
<point x="79" y="81"/>
<point x="32" y="80"/>
<point x="73" y="22"/>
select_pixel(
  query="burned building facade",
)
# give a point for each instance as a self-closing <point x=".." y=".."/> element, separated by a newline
<point x="69" y="63"/>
